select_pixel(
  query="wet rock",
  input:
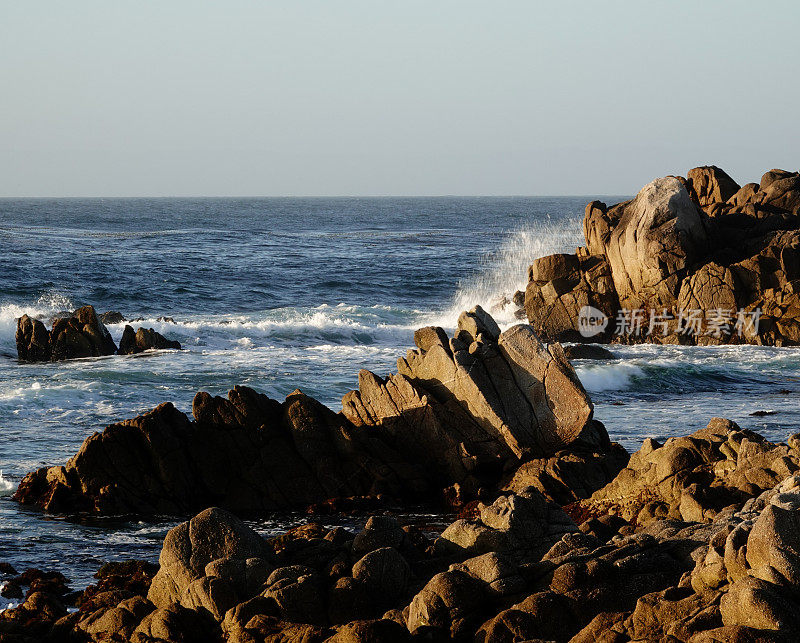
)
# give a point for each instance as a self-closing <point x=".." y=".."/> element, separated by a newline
<point x="33" y="340"/>
<point x="144" y="339"/>
<point x="80" y="335"/>
<point x="111" y="317"/>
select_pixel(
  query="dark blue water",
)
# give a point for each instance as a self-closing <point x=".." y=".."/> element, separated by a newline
<point x="286" y="293"/>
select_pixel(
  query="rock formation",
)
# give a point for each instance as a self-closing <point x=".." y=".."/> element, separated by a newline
<point x="81" y="334"/>
<point x="698" y="247"/>
<point x="459" y="418"/>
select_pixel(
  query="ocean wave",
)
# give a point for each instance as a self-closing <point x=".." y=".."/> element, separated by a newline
<point x="609" y="377"/>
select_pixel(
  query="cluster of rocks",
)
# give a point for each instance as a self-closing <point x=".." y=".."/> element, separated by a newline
<point x="457" y="422"/>
<point x="82" y="334"/>
<point x="520" y="568"/>
<point x="700" y="245"/>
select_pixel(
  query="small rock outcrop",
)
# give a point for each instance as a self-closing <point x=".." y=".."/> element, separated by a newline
<point x="703" y="260"/>
<point x="82" y="334"/>
<point x="133" y="342"/>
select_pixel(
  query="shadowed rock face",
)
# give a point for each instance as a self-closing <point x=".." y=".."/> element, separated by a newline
<point x="696" y="244"/>
<point x="462" y="413"/>
<point x="247" y="453"/>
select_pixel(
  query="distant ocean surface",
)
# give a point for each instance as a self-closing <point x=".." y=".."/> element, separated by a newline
<point x="288" y="293"/>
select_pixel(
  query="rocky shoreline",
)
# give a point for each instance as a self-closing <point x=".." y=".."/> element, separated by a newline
<point x="562" y="536"/>
<point x="693" y="541"/>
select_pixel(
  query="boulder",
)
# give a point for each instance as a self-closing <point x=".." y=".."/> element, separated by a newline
<point x="658" y="238"/>
<point x="449" y="604"/>
<point x="188" y="548"/>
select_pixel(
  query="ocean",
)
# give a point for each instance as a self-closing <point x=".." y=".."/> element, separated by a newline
<point x="286" y="293"/>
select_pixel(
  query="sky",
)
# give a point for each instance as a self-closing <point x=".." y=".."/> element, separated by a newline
<point x="433" y="97"/>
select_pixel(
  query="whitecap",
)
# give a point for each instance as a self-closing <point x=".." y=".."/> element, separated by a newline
<point x="7" y="486"/>
<point x="608" y="377"/>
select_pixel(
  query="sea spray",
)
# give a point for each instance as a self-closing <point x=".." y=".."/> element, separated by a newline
<point x="505" y="270"/>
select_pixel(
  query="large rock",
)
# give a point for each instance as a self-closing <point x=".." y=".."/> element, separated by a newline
<point x="211" y="535"/>
<point x="80" y="335"/>
<point x="659" y="237"/>
<point x="480" y="398"/>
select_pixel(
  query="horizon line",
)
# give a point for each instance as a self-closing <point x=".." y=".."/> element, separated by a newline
<point x="315" y="196"/>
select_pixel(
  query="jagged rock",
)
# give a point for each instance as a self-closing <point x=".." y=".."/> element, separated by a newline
<point x="248" y="454"/>
<point x="560" y="286"/>
<point x="710" y="184"/>
<point x="479" y="400"/>
<point x="144" y="339"/>
<point x="33" y="340"/>
<point x="81" y="335"/>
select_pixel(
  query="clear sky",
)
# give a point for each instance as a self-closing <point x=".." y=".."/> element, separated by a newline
<point x="345" y="97"/>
